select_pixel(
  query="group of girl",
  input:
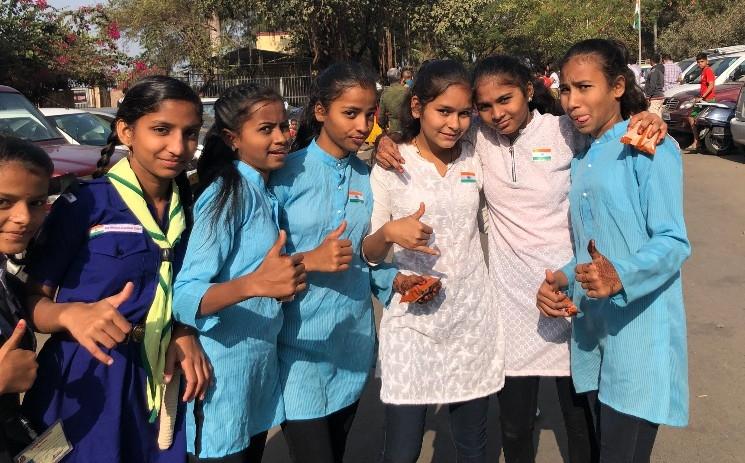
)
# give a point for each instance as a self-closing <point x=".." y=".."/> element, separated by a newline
<point x="259" y="292"/>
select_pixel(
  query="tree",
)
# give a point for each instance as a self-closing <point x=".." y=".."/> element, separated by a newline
<point x="702" y="26"/>
<point x="170" y="32"/>
<point x="43" y="49"/>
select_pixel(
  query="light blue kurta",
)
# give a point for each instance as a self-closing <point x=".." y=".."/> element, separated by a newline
<point x="241" y="340"/>
<point x="327" y="342"/>
<point x="631" y="347"/>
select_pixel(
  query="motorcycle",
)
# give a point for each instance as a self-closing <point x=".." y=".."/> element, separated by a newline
<point x="713" y="126"/>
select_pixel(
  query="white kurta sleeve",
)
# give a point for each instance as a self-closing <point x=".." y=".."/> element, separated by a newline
<point x="381" y="213"/>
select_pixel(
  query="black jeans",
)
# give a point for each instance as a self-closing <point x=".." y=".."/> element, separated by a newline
<point x="404" y="429"/>
<point x="320" y="440"/>
<point x="623" y="438"/>
<point x="518" y="404"/>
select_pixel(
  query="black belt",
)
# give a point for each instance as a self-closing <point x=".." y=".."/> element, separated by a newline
<point x="137" y="334"/>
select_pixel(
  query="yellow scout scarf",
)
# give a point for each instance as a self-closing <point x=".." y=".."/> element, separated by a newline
<point x="158" y="321"/>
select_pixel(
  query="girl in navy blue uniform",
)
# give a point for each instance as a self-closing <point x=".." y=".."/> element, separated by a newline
<point x="103" y="268"/>
<point x="24" y="181"/>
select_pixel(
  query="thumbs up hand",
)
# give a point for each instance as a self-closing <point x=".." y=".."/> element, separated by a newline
<point x="599" y="278"/>
<point x="17" y="366"/>
<point x="333" y="254"/>
<point x="279" y="276"/>
<point x="410" y="232"/>
<point x="98" y="323"/>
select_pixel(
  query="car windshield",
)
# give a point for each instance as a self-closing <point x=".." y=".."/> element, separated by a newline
<point x="685" y="63"/>
<point x="19" y="118"/>
<point x="84" y="128"/>
<point x="717" y="65"/>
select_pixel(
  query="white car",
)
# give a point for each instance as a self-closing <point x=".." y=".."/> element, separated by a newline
<point x="79" y="127"/>
<point x="728" y="64"/>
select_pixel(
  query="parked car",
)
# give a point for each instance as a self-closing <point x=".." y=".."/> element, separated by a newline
<point x="737" y="124"/>
<point x="677" y="109"/>
<point x="79" y="127"/>
<point x="20" y="118"/>
<point x="728" y="64"/>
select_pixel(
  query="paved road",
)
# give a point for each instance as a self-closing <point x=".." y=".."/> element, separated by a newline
<point x="714" y="280"/>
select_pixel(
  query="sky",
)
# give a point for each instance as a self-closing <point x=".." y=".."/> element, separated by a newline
<point x="128" y="47"/>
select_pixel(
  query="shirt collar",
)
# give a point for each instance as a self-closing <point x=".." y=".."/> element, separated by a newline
<point x="332" y="161"/>
<point x="250" y="174"/>
<point x="614" y="133"/>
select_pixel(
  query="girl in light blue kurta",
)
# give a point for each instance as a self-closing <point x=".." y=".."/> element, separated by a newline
<point x="326" y="345"/>
<point x="234" y="276"/>
<point x="629" y="339"/>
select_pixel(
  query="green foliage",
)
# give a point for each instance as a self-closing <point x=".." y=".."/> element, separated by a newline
<point x="44" y="49"/>
<point x="705" y="26"/>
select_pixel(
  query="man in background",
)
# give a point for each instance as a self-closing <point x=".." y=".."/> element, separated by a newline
<point x="392" y="98"/>
<point x="653" y="85"/>
<point x="673" y="73"/>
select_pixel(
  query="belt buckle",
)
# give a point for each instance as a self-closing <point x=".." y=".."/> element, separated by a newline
<point x="137" y="334"/>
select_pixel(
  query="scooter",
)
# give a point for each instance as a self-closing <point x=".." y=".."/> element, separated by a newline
<point x="712" y="126"/>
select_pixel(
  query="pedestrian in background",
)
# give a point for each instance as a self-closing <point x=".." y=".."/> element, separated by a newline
<point x="654" y="84"/>
<point x="673" y="73"/>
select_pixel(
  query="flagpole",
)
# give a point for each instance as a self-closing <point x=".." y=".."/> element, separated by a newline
<point x="640" y="32"/>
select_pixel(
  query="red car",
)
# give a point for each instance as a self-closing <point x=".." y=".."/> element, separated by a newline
<point x="677" y="109"/>
<point x="19" y="118"/>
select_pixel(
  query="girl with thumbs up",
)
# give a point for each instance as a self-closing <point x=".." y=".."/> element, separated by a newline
<point x="449" y="350"/>
<point x="235" y="275"/>
<point x="24" y="180"/>
<point x="327" y="343"/>
<point x="101" y="282"/>
<point x="629" y="341"/>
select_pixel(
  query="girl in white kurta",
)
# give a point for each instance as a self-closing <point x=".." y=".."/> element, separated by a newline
<point x="450" y="349"/>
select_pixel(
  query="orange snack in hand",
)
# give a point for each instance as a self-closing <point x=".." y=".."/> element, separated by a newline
<point x="571" y="310"/>
<point x="419" y="291"/>
<point x="640" y="142"/>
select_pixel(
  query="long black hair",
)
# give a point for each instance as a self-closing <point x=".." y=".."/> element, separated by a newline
<point x="143" y="98"/>
<point x="32" y="157"/>
<point x="511" y="71"/>
<point x="613" y="58"/>
<point x="232" y="109"/>
<point x="327" y="87"/>
<point x="432" y="79"/>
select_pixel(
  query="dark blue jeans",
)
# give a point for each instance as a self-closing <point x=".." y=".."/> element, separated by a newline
<point x="623" y="438"/>
<point x="404" y="429"/>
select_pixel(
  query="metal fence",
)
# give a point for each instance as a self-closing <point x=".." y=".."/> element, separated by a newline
<point x="294" y="89"/>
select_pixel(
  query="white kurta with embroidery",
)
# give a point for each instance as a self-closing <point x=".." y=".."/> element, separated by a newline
<point x="527" y="194"/>
<point x="450" y="349"/>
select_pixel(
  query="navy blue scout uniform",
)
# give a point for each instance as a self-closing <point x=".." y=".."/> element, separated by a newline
<point x="91" y="246"/>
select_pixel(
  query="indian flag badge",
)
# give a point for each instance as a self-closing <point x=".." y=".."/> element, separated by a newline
<point x="467" y="177"/>
<point x="541" y="154"/>
<point x="356" y="197"/>
<point x="95" y="231"/>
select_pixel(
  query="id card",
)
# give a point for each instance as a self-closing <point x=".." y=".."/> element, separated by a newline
<point x="50" y="447"/>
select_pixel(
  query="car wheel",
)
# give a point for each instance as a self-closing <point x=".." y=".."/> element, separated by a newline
<point x="716" y="146"/>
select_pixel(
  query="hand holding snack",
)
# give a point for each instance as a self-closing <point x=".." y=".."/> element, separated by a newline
<point x="640" y="142"/>
<point x="416" y="288"/>
<point x="550" y="300"/>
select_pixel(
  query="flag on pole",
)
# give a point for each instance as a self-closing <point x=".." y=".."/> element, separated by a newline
<point x="638" y="16"/>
